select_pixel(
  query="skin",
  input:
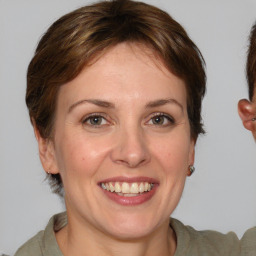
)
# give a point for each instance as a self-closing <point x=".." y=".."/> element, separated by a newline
<point x="247" y="113"/>
<point x="128" y="141"/>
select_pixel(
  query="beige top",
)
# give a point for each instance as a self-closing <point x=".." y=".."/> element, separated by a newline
<point x="190" y="242"/>
<point x="248" y="243"/>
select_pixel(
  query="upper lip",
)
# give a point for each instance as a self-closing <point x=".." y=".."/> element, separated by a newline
<point x="130" y="179"/>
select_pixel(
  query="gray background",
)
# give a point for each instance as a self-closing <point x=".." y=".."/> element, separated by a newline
<point x="220" y="195"/>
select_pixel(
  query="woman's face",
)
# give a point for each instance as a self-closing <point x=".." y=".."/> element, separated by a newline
<point x="122" y="143"/>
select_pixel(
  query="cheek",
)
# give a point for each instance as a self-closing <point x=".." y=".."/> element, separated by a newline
<point x="173" y="154"/>
<point x="80" y="156"/>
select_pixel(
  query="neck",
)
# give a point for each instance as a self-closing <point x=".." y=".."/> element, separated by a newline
<point x="75" y="240"/>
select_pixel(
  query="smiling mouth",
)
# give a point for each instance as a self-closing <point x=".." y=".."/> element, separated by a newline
<point x="127" y="189"/>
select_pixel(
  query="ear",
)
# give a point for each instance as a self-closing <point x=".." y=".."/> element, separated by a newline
<point x="192" y="152"/>
<point x="46" y="153"/>
<point x="247" y="112"/>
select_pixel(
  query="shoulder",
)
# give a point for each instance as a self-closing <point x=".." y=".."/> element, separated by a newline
<point x="32" y="246"/>
<point x="248" y="243"/>
<point x="206" y="243"/>
<point x="44" y="243"/>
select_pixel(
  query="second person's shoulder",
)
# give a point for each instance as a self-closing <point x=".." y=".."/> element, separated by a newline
<point x="248" y="243"/>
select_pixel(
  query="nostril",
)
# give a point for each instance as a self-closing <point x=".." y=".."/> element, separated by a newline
<point x="132" y="161"/>
<point x="130" y="149"/>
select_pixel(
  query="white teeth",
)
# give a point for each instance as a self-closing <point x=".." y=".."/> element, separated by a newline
<point x="142" y="188"/>
<point x="130" y="195"/>
<point x="134" y="188"/>
<point x="117" y="187"/>
<point x="127" y="189"/>
<point x="111" y="187"/>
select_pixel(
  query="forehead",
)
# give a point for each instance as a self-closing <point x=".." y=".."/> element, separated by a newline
<point x="130" y="51"/>
<point x="132" y="69"/>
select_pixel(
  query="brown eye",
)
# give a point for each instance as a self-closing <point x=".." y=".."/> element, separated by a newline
<point x="158" y="120"/>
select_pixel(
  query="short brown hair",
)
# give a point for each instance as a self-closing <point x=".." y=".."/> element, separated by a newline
<point x="80" y="36"/>
<point x="251" y="62"/>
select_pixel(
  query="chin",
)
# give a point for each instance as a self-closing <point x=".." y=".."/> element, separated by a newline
<point x="131" y="233"/>
<point x="131" y="227"/>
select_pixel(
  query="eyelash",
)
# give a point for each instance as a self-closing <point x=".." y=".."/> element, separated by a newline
<point x="89" y="117"/>
<point x="169" y="118"/>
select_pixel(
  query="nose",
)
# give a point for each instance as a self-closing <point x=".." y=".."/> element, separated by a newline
<point x="130" y="148"/>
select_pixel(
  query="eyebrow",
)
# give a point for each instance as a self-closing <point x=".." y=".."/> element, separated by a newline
<point x="106" y="104"/>
<point x="100" y="103"/>
<point x="161" y="102"/>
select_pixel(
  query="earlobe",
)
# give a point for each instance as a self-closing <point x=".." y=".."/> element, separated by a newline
<point x="191" y="159"/>
<point x="247" y="113"/>
<point x="46" y="153"/>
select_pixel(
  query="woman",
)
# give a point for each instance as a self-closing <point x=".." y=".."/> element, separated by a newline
<point x="114" y="94"/>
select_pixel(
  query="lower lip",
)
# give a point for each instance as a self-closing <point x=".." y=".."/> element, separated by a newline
<point x="130" y="201"/>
